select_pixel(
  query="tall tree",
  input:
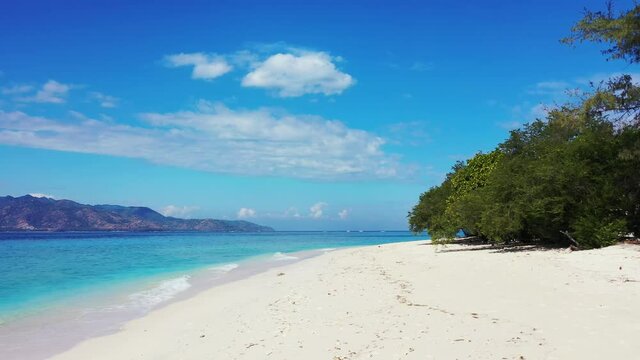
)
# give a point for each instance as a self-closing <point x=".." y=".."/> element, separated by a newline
<point x="571" y="178"/>
<point x="621" y="32"/>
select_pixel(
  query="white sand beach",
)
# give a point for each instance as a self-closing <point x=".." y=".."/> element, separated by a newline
<point x="403" y="301"/>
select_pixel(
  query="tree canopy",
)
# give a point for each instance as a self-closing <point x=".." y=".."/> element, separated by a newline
<point x="621" y="32"/>
<point x="572" y="178"/>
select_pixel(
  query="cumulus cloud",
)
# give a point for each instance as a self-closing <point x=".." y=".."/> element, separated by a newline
<point x="106" y="101"/>
<point x="343" y="214"/>
<point x="316" y="211"/>
<point x="51" y="92"/>
<point x="245" y="213"/>
<point x="217" y="139"/>
<point x="296" y="74"/>
<point x="178" y="211"/>
<point x="207" y="67"/>
<point x="288" y="71"/>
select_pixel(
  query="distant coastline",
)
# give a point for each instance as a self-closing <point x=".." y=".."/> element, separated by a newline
<point x="40" y="214"/>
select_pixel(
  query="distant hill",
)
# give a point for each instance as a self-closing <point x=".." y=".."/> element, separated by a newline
<point x="28" y="213"/>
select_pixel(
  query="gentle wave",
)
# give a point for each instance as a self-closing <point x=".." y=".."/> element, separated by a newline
<point x="283" y="257"/>
<point x="166" y="290"/>
<point x="224" y="268"/>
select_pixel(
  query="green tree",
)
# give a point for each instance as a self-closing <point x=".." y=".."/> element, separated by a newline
<point x="465" y="203"/>
<point x="429" y="213"/>
<point x="621" y="32"/>
<point x="572" y="178"/>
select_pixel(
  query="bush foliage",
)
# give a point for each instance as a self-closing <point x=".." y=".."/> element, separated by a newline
<point x="572" y="178"/>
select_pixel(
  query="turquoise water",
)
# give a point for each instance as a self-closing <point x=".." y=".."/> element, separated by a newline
<point x="37" y="269"/>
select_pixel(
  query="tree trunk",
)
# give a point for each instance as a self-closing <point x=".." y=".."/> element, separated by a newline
<point x="573" y="241"/>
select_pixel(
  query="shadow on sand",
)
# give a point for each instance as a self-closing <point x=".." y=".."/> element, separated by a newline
<point x="476" y="244"/>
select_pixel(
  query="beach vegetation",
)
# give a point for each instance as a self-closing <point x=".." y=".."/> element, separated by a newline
<point x="570" y="178"/>
<point x="619" y="31"/>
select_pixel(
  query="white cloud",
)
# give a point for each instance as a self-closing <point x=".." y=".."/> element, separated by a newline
<point x="343" y="214"/>
<point x="292" y="212"/>
<point x="205" y="66"/>
<point x="106" y="101"/>
<point x="289" y="71"/>
<point x="51" y="92"/>
<point x="296" y="74"/>
<point x="16" y="89"/>
<point x="525" y="113"/>
<point x="539" y="111"/>
<point x="178" y="211"/>
<point x="317" y="210"/>
<point x="40" y="195"/>
<point x="217" y="139"/>
<point x="245" y="213"/>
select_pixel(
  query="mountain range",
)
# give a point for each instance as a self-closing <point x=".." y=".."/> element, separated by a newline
<point x="29" y="213"/>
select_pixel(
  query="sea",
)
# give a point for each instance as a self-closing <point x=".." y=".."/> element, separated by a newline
<point x="57" y="289"/>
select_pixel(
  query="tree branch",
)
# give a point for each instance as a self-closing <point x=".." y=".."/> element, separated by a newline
<point x="566" y="233"/>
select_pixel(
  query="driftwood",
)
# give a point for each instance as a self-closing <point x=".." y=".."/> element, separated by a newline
<point x="575" y="245"/>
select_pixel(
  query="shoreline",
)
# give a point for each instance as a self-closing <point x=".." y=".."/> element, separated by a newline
<point x="66" y="323"/>
<point x="403" y="300"/>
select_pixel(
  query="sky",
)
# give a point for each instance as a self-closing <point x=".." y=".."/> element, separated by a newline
<point x="312" y="115"/>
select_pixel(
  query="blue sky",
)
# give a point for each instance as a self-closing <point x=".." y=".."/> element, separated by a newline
<point x="316" y="115"/>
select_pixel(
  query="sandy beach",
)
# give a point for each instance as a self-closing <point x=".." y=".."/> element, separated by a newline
<point x="403" y="301"/>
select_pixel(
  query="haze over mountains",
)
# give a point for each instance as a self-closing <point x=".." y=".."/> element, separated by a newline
<point x="28" y="213"/>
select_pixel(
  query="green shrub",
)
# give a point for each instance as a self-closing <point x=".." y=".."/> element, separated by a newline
<point x="593" y="232"/>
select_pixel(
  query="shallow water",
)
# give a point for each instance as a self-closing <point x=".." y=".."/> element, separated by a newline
<point x="58" y="289"/>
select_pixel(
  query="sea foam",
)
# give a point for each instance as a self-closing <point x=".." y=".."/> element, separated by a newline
<point x="224" y="268"/>
<point x="283" y="257"/>
<point x="164" y="291"/>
